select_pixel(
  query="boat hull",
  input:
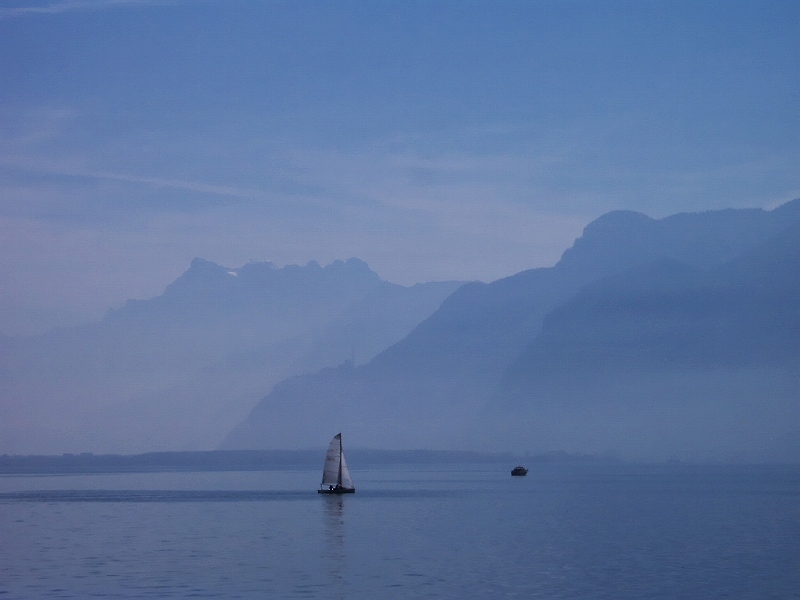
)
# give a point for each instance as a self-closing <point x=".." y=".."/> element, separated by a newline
<point x="338" y="491"/>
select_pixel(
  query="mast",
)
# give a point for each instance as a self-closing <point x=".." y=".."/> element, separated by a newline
<point x="339" y="481"/>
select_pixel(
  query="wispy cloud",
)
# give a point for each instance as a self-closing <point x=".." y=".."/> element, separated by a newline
<point x="70" y="170"/>
<point x="56" y="8"/>
<point x="192" y="186"/>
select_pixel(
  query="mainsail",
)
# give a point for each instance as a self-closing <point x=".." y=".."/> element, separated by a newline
<point x="335" y="473"/>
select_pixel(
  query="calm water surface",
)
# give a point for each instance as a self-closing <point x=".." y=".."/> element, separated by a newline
<point x="564" y="531"/>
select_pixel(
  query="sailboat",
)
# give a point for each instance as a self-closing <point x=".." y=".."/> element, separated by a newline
<point x="335" y="474"/>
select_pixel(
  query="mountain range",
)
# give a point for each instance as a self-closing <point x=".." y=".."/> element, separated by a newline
<point x="671" y="338"/>
<point x="179" y="371"/>
<point x="650" y="338"/>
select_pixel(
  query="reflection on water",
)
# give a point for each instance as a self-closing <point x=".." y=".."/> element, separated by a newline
<point x="334" y="539"/>
<point x="334" y="513"/>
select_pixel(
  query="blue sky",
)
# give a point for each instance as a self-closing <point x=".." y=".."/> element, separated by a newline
<point x="434" y="140"/>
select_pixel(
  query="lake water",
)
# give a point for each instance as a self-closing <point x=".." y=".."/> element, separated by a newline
<point x="564" y="531"/>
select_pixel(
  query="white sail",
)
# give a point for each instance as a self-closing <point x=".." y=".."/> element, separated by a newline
<point x="330" y="472"/>
<point x="335" y="473"/>
<point x="346" y="481"/>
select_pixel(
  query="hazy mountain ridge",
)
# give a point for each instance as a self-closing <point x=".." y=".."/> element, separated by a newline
<point x="501" y="317"/>
<point x="208" y="289"/>
<point x="480" y="359"/>
<point x="178" y="371"/>
<point x="744" y="312"/>
<point x="668" y="360"/>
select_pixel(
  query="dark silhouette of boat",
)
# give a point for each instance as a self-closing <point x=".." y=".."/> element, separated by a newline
<point x="519" y="471"/>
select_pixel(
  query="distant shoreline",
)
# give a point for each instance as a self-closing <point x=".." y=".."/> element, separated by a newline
<point x="256" y="460"/>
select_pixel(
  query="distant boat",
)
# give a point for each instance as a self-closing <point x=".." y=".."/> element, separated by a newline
<point x="335" y="474"/>
<point x="519" y="471"/>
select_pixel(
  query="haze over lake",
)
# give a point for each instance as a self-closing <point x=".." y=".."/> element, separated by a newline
<point x="650" y="339"/>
